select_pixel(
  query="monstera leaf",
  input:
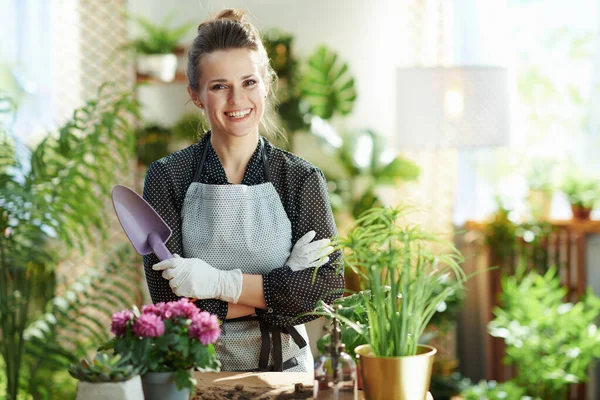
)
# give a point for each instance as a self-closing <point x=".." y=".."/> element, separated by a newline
<point x="327" y="86"/>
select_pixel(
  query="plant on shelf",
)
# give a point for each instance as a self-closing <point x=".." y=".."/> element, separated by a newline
<point x="152" y="143"/>
<point x="189" y="127"/>
<point x="583" y="192"/>
<point x="154" y="49"/>
<point x="167" y="339"/>
<point x="540" y="179"/>
<point x="49" y="202"/>
<point x="510" y="241"/>
<point x="551" y="342"/>
<point x="401" y="263"/>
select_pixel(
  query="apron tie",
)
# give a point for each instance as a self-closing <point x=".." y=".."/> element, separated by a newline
<point x="268" y="333"/>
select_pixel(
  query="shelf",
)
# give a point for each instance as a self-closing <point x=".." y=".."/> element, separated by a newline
<point x="180" y="77"/>
<point x="589" y="226"/>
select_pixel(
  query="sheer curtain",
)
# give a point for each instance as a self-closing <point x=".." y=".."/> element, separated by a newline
<point x="26" y="64"/>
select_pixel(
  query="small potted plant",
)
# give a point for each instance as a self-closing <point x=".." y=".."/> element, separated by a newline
<point x="107" y="377"/>
<point x="170" y="340"/>
<point x="401" y="264"/>
<point x="583" y="191"/>
<point x="540" y="179"/>
<point x="155" y="50"/>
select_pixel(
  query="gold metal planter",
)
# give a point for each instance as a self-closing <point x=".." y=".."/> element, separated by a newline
<point x="395" y="378"/>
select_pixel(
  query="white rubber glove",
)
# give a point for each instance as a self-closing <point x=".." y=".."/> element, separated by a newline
<point x="307" y="255"/>
<point x="195" y="278"/>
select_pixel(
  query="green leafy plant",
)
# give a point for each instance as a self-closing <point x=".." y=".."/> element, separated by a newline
<point x="541" y="174"/>
<point x="581" y="189"/>
<point x="321" y="87"/>
<point x="152" y="143"/>
<point x="105" y="368"/>
<point x="76" y="322"/>
<point x="167" y="337"/>
<point x="159" y="38"/>
<point x="549" y="341"/>
<point x="189" y="127"/>
<point x="401" y="263"/>
<point x="494" y="391"/>
<point x="52" y="201"/>
<point x="352" y="308"/>
<point x="510" y="241"/>
<point x="326" y="85"/>
<point x="355" y="181"/>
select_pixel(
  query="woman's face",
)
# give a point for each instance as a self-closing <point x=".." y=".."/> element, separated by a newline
<point x="232" y="91"/>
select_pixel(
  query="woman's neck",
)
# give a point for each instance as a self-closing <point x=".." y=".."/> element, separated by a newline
<point x="234" y="154"/>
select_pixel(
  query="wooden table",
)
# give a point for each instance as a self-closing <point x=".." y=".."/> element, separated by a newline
<point x="256" y="385"/>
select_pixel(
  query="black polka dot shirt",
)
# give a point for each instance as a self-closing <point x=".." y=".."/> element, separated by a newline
<point x="303" y="192"/>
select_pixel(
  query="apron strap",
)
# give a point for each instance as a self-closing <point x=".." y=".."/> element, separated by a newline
<point x="268" y="333"/>
<point x="265" y="347"/>
<point x="267" y="171"/>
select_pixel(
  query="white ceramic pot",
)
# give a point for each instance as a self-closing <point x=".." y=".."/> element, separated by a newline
<point x="159" y="66"/>
<point x="128" y="390"/>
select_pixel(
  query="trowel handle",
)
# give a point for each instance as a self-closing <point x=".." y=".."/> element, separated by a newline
<point x="159" y="247"/>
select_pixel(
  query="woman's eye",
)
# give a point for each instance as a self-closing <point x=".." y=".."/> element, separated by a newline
<point x="250" y="82"/>
<point x="218" y="86"/>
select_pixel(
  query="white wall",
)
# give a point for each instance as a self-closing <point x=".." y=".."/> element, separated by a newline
<point x="368" y="35"/>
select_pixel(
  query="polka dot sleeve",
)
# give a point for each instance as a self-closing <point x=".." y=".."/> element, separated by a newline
<point x="166" y="197"/>
<point x="289" y="294"/>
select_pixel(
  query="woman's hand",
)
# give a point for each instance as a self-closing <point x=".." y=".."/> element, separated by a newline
<point x="193" y="277"/>
<point x="307" y="255"/>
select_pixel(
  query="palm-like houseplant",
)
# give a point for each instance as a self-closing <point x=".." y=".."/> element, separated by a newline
<point x="154" y="50"/>
<point x="50" y="202"/>
<point x="401" y="264"/>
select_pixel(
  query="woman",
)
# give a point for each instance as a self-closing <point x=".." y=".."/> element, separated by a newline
<point x="236" y="204"/>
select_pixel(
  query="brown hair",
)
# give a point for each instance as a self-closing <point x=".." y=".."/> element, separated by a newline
<point x="231" y="30"/>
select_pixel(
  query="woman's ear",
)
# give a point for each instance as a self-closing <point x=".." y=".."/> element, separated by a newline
<point x="194" y="97"/>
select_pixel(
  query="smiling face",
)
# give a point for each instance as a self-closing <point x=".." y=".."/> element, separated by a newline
<point x="232" y="91"/>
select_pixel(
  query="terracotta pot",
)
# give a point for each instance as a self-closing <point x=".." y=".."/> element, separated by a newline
<point x="580" y="213"/>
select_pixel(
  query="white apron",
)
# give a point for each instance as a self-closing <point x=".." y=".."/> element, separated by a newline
<point x="245" y="227"/>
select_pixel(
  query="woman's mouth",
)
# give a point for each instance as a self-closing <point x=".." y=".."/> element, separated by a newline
<point x="238" y="115"/>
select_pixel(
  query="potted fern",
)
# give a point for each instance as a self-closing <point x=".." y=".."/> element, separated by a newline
<point x="401" y="265"/>
<point x="107" y="377"/>
<point x="155" y="49"/>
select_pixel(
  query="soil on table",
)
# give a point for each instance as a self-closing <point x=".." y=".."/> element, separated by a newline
<point x="239" y="392"/>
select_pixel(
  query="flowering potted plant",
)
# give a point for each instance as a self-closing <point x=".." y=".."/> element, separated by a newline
<point x="169" y="340"/>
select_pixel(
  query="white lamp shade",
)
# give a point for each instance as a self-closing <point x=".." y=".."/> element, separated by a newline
<point x="459" y="107"/>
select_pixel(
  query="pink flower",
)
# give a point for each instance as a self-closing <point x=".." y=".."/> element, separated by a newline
<point x="153" y="308"/>
<point x="149" y="325"/>
<point x="181" y="308"/>
<point x="119" y="322"/>
<point x="205" y="327"/>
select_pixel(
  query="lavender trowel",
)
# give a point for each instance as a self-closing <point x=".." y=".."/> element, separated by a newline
<point x="145" y="229"/>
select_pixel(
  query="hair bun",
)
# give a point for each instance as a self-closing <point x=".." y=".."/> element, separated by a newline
<point x="232" y="14"/>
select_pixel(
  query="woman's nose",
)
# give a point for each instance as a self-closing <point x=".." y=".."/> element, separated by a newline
<point x="234" y="96"/>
